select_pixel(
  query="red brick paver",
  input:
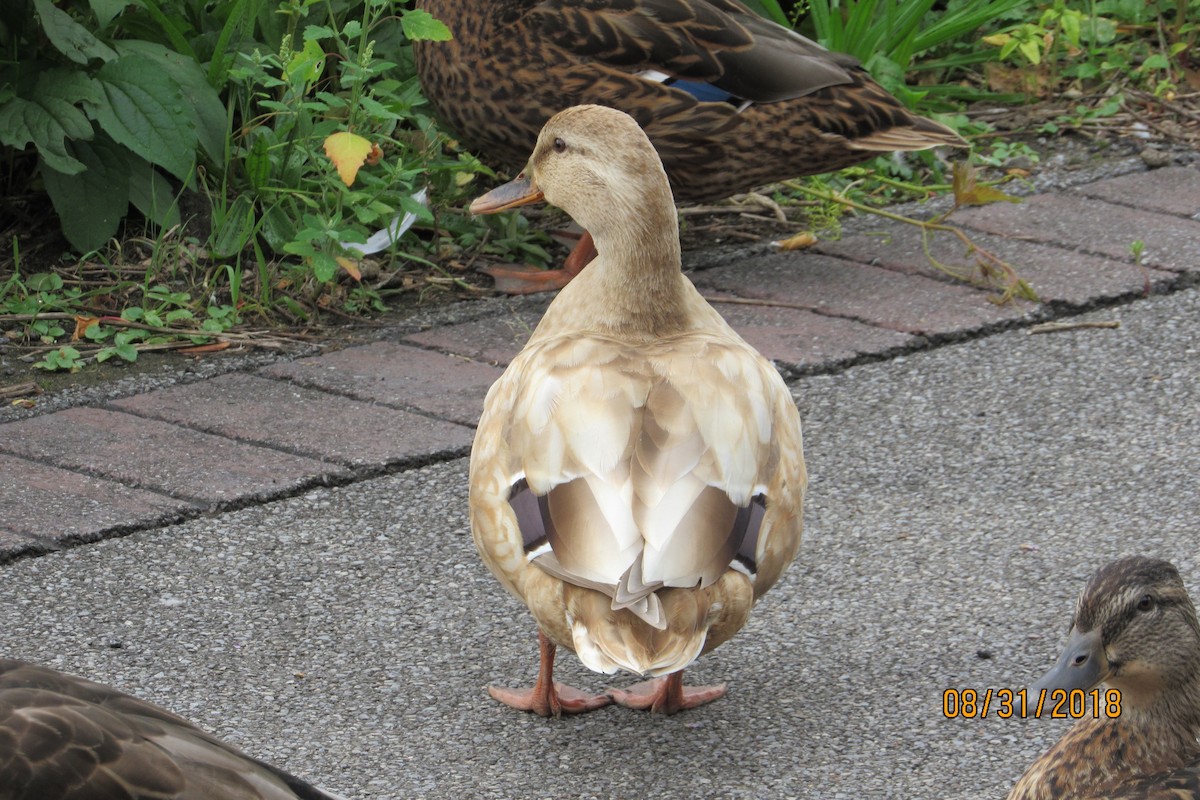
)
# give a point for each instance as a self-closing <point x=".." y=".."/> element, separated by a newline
<point x="493" y="340"/>
<point x="1093" y="226"/>
<point x="148" y="454"/>
<point x="1055" y="273"/>
<point x="881" y="297"/>
<point x="397" y="375"/>
<point x="302" y="421"/>
<point x="1171" y="190"/>
<point x="43" y="507"/>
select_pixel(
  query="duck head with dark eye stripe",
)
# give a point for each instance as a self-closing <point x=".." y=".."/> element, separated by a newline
<point x="1134" y="630"/>
<point x="1124" y="619"/>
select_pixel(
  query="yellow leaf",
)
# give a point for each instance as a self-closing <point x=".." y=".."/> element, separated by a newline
<point x="350" y="267"/>
<point x="968" y="193"/>
<point x="997" y="39"/>
<point x="347" y="151"/>
<point x="797" y="242"/>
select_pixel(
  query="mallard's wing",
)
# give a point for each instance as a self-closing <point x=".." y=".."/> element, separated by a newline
<point x="717" y="42"/>
<point x="65" y="737"/>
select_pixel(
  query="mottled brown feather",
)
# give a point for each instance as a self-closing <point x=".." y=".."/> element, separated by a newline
<point x="514" y="63"/>
<point x="65" y="738"/>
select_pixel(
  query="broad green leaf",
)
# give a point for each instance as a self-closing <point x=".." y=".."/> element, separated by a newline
<point x="278" y="227"/>
<point x="1031" y="50"/>
<point x="92" y="203"/>
<point x="422" y="25"/>
<point x="69" y="37"/>
<point x="208" y="112"/>
<point x="107" y="10"/>
<point x="51" y="116"/>
<point x="51" y="120"/>
<point x="152" y="194"/>
<point x="44" y="282"/>
<point x="235" y="228"/>
<point x="1070" y="27"/>
<point x="324" y="267"/>
<point x="147" y="112"/>
<point x="71" y="85"/>
<point x="317" y="32"/>
<point x="306" y="65"/>
<point x="258" y="163"/>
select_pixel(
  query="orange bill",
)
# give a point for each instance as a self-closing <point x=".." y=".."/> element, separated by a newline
<point x="518" y="192"/>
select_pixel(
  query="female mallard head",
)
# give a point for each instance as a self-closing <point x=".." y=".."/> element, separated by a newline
<point x="1135" y="630"/>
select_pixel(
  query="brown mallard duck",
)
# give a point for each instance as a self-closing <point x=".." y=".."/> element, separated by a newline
<point x="637" y="476"/>
<point x="1135" y="630"/>
<point x="66" y="738"/>
<point x="730" y="100"/>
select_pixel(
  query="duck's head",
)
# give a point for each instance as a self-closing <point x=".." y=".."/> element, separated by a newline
<point x="1135" y="629"/>
<point x="594" y="163"/>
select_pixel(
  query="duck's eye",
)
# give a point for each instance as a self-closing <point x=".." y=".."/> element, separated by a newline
<point x="1146" y="603"/>
<point x="559" y="145"/>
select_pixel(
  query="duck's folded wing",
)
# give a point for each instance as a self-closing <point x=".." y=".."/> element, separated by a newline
<point x="66" y="737"/>
<point x="718" y="42"/>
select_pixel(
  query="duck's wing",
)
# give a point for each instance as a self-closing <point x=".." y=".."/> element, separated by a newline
<point x="65" y="737"/>
<point x="716" y="42"/>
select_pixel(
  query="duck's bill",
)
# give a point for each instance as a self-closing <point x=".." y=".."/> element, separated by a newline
<point x="1082" y="664"/>
<point x="518" y="192"/>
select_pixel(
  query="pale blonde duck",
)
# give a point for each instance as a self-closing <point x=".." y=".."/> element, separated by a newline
<point x="637" y="476"/>
<point x="66" y="738"/>
<point x="1135" y="630"/>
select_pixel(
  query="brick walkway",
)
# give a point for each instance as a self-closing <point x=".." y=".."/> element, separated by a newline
<point x="90" y="473"/>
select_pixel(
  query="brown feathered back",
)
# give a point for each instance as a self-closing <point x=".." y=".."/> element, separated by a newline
<point x="795" y="108"/>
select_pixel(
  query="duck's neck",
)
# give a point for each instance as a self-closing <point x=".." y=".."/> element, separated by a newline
<point x="1098" y="754"/>
<point x="634" y="286"/>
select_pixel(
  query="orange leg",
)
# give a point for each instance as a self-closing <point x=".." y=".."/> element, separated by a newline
<point x="666" y="695"/>
<point x="548" y="698"/>
<point x="521" y="279"/>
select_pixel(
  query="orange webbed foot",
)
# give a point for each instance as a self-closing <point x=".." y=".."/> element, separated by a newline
<point x="559" y="699"/>
<point x="666" y="695"/>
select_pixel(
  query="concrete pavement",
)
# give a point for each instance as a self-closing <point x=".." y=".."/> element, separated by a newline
<point x="295" y="571"/>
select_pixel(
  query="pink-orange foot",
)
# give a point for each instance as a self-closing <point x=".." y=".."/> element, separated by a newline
<point x="552" y="700"/>
<point x="546" y="698"/>
<point x="523" y="279"/>
<point x="666" y="695"/>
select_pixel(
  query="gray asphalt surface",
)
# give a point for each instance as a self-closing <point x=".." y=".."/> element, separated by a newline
<point x="960" y="497"/>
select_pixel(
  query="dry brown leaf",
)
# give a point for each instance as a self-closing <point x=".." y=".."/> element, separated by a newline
<point x="82" y="323"/>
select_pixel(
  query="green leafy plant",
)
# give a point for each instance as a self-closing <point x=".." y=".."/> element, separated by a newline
<point x="1088" y="42"/>
<point x="294" y="192"/>
<point x="108" y="118"/>
<point x="63" y="358"/>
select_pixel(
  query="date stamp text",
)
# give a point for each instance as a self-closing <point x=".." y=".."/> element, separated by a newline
<point x="1019" y="703"/>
